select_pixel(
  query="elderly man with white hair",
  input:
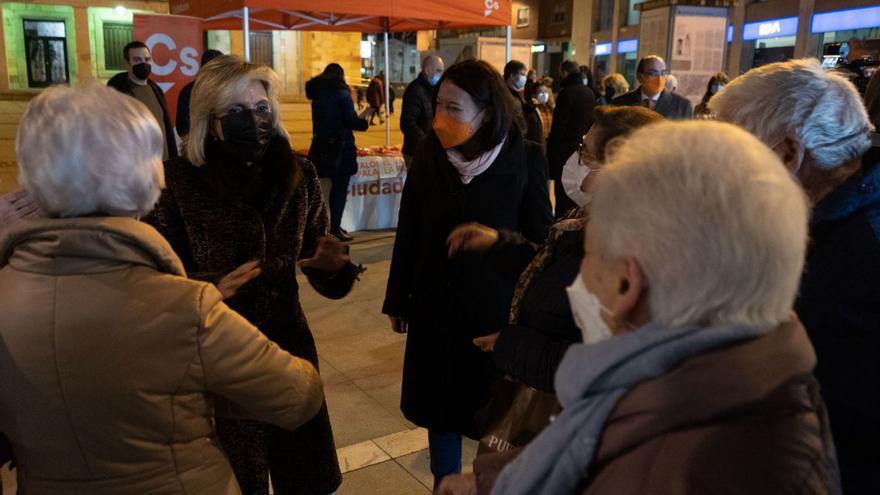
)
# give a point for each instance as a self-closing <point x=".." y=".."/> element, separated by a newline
<point x="816" y="123"/>
<point x="111" y="360"/>
<point x="694" y="375"/>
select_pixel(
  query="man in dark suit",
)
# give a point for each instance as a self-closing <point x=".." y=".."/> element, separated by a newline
<point x="572" y="118"/>
<point x="652" y="93"/>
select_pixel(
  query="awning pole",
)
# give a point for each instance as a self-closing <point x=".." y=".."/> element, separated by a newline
<point x="247" y="34"/>
<point x="387" y="92"/>
<point x="507" y="45"/>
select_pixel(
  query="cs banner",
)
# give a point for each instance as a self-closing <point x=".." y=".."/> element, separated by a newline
<point x="176" y="44"/>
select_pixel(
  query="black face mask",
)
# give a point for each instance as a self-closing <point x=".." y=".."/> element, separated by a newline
<point x="142" y="71"/>
<point x="247" y="134"/>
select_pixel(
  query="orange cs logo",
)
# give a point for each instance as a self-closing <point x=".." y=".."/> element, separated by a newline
<point x="491" y="6"/>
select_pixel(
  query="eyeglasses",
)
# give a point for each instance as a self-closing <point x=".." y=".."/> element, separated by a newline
<point x="655" y="73"/>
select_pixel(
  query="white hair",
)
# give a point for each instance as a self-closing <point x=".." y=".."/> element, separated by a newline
<point x="798" y="99"/>
<point x="717" y="224"/>
<point x="89" y="151"/>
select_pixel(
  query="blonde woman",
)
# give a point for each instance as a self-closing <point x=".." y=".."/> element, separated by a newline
<point x="613" y="85"/>
<point x="242" y="212"/>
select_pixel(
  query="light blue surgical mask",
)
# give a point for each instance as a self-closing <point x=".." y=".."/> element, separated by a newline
<point x="543" y="97"/>
<point x="520" y="82"/>
<point x="434" y="80"/>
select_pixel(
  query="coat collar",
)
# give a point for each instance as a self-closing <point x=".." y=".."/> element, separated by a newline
<point x="859" y="192"/>
<point x="705" y="387"/>
<point x="71" y="246"/>
<point x="576" y="79"/>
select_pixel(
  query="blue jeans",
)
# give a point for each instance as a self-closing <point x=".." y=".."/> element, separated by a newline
<point x="445" y="451"/>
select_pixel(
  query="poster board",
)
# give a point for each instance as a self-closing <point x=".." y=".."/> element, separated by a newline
<point x="654" y="32"/>
<point x="697" y="48"/>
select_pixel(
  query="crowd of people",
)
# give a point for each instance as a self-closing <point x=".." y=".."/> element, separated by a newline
<point x="697" y="308"/>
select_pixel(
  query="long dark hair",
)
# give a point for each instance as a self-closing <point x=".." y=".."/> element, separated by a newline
<point x="486" y="87"/>
<point x="334" y="71"/>
<point x="718" y="78"/>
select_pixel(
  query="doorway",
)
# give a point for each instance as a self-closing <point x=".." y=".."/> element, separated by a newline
<point x="46" y="50"/>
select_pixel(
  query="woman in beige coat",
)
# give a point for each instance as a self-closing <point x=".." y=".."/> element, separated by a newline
<point x="111" y="361"/>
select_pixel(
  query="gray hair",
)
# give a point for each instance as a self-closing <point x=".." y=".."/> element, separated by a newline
<point x="88" y="151"/>
<point x="716" y="222"/>
<point x="798" y="99"/>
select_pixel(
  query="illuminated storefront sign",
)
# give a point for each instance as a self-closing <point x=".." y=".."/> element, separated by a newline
<point x="628" y="46"/>
<point x="846" y="19"/>
<point x="773" y="28"/>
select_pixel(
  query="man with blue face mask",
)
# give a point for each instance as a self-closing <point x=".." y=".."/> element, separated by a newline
<point x="417" y="113"/>
<point x="515" y="77"/>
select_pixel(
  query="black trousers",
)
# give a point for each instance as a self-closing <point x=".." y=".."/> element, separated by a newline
<point x="336" y="199"/>
<point x="301" y="462"/>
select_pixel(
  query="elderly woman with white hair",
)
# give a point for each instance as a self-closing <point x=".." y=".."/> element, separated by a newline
<point x="694" y="377"/>
<point x="242" y="212"/>
<point x="816" y="123"/>
<point x="111" y="358"/>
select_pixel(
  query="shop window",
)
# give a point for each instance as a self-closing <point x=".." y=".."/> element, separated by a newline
<point x="522" y="17"/>
<point x="606" y="14"/>
<point x="116" y="36"/>
<point x="46" y="51"/>
<point x="261" y="48"/>
<point x="632" y="17"/>
<point x="559" y="13"/>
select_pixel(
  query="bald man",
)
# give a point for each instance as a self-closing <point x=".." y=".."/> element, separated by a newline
<point x="417" y="113"/>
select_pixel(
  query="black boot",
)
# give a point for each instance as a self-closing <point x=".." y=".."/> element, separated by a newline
<point x="341" y="235"/>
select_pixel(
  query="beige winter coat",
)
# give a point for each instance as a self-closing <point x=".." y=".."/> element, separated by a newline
<point x="110" y="361"/>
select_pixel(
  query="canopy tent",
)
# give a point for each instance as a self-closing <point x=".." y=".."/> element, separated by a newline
<point x="367" y="16"/>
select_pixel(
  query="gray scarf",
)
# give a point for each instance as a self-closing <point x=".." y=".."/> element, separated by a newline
<point x="589" y="382"/>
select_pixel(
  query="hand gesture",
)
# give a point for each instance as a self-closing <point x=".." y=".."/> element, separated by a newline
<point x="471" y="238"/>
<point x="14" y="206"/>
<point x="229" y="285"/>
<point x="330" y="256"/>
<point x="486" y="343"/>
<point x="458" y="484"/>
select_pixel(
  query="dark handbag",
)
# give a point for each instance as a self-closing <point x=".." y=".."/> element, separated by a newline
<point x="515" y="415"/>
<point x="326" y="154"/>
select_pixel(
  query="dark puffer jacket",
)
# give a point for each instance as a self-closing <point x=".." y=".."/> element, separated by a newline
<point x="333" y="120"/>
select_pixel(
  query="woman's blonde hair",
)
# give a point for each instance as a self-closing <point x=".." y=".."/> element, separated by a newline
<point x="217" y="87"/>
<point x="616" y="81"/>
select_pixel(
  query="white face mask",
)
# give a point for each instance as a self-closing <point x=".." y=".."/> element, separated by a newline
<point x="573" y="175"/>
<point x="587" y="311"/>
<point x="543" y="98"/>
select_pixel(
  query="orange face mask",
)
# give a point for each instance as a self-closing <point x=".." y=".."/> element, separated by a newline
<point x="451" y="132"/>
<point x="654" y="85"/>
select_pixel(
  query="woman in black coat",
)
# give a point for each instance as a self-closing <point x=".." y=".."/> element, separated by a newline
<point x="333" y="151"/>
<point x="242" y="211"/>
<point x="474" y="167"/>
<point x="531" y="345"/>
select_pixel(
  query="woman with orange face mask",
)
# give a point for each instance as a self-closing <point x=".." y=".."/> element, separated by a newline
<point x="475" y="167"/>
